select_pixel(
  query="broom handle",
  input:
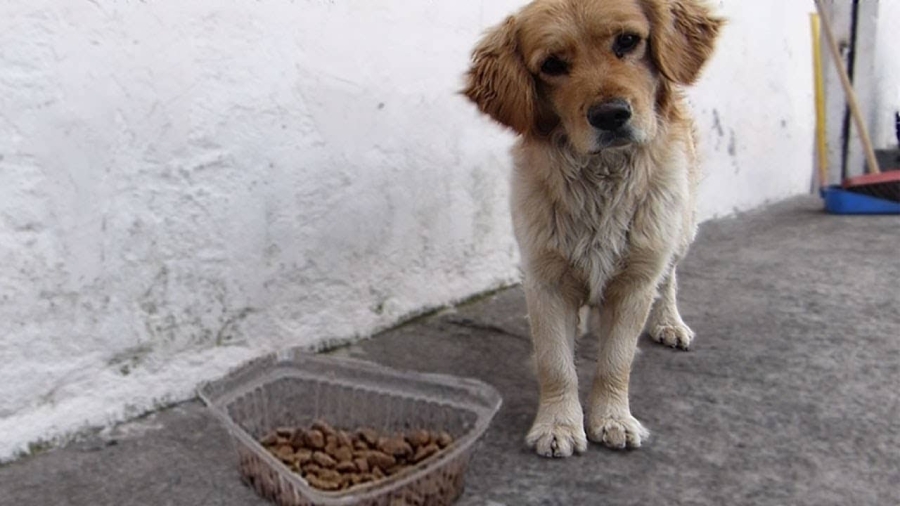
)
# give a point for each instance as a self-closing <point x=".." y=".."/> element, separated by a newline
<point x="848" y="90"/>
<point x="821" y="114"/>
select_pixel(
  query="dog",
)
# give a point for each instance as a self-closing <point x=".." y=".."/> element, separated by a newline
<point x="603" y="189"/>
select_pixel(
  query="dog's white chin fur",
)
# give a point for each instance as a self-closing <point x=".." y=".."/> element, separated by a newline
<point x="597" y="145"/>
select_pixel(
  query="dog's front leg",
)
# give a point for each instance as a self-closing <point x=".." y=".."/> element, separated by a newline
<point x="558" y="428"/>
<point x="625" y="307"/>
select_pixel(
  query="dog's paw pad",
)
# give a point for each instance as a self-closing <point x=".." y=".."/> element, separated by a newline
<point x="618" y="433"/>
<point x="677" y="336"/>
<point x="557" y="440"/>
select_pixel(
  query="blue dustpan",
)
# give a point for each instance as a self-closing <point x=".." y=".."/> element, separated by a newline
<point x="841" y="201"/>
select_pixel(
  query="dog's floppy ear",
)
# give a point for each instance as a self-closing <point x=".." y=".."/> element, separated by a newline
<point x="498" y="81"/>
<point x="683" y="34"/>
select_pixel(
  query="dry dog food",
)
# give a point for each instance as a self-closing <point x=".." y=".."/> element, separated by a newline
<point x="331" y="459"/>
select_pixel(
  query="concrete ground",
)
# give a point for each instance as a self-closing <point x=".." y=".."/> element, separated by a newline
<point x="790" y="397"/>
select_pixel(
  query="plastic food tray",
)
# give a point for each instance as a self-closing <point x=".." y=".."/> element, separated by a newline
<point x="293" y="389"/>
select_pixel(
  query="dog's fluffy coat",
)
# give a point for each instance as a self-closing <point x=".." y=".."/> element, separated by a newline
<point x="601" y="215"/>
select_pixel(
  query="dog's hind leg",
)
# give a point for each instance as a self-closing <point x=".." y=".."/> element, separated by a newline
<point x="665" y="325"/>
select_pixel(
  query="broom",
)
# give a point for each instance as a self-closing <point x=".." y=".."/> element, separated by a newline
<point x="881" y="185"/>
<point x="877" y="184"/>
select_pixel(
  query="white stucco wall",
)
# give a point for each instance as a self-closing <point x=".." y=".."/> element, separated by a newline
<point x="887" y="74"/>
<point x="755" y="108"/>
<point x="186" y="185"/>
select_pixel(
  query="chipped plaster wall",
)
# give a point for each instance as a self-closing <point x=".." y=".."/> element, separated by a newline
<point x="186" y="185"/>
<point x="755" y="107"/>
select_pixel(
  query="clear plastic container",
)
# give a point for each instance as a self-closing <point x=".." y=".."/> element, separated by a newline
<point x="293" y="389"/>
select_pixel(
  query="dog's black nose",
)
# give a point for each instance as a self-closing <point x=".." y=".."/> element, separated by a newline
<point x="610" y="115"/>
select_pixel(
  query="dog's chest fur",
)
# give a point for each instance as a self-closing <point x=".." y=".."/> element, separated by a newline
<point x="578" y="217"/>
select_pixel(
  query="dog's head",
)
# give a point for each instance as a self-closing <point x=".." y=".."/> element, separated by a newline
<point x="599" y="72"/>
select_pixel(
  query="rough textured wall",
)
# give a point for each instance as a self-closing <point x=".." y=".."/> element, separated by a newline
<point x="185" y="185"/>
<point x="755" y="107"/>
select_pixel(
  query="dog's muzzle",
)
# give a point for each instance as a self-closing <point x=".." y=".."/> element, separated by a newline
<point x="611" y="119"/>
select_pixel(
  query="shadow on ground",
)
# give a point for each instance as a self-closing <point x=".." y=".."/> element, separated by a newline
<point x="791" y="395"/>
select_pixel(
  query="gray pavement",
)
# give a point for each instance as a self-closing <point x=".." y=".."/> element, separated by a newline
<point x="790" y="397"/>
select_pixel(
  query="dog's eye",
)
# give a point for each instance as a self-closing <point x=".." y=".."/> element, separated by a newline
<point x="625" y="44"/>
<point x="553" y="66"/>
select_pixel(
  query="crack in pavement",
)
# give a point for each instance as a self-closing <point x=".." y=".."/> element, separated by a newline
<point x="471" y="323"/>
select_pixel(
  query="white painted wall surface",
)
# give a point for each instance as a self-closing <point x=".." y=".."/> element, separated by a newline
<point x="755" y="107"/>
<point x="887" y="74"/>
<point x="186" y="185"/>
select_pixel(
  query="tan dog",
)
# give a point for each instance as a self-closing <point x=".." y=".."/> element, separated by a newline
<point x="603" y="192"/>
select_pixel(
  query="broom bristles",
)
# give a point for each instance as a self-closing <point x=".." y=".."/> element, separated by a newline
<point x="885" y="186"/>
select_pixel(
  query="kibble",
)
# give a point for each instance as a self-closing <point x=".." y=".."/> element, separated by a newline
<point x="270" y="440"/>
<point x="347" y="467"/>
<point x="323" y="427"/>
<point x="298" y="440"/>
<point x="324" y="459"/>
<point x="343" y="454"/>
<point x="395" y="446"/>
<point x="332" y="459"/>
<point x="322" y="484"/>
<point x="425" y="451"/>
<point x="302" y="456"/>
<point x="368" y="436"/>
<point x="330" y="475"/>
<point x="444" y="440"/>
<point x="419" y="438"/>
<point x="285" y="453"/>
<point x="344" y="439"/>
<point x="315" y="440"/>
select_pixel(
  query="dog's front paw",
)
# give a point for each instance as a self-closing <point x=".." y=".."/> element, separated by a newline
<point x="557" y="440"/>
<point x="618" y="432"/>
<point x="677" y="335"/>
<point x="558" y="431"/>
